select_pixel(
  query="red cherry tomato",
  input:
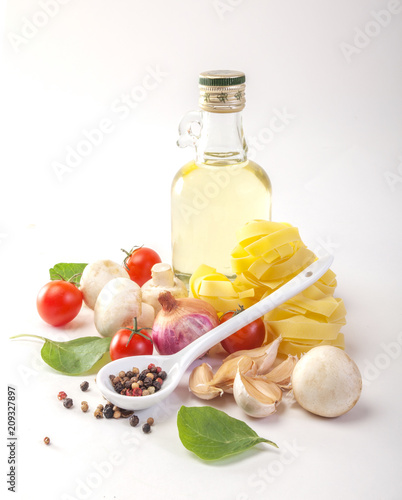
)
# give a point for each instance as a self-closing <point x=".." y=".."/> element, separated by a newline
<point x="248" y="337"/>
<point x="139" y="263"/>
<point x="59" y="302"/>
<point x="140" y="343"/>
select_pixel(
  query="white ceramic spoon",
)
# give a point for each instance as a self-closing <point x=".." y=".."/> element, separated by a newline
<point x="176" y="364"/>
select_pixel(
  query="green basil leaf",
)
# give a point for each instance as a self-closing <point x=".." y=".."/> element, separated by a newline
<point x="74" y="356"/>
<point x="212" y="434"/>
<point x="67" y="271"/>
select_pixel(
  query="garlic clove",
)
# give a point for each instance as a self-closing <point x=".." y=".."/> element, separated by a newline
<point x="265" y="362"/>
<point x="263" y="356"/>
<point x="225" y="375"/>
<point x="282" y="374"/>
<point x="256" y="396"/>
<point x="199" y="382"/>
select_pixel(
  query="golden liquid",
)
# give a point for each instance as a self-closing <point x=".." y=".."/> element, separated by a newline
<point x="209" y="203"/>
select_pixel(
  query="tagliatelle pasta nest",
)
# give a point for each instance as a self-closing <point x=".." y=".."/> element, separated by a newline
<point x="268" y="255"/>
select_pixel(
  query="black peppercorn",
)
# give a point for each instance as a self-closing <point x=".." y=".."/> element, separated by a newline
<point x="146" y="428"/>
<point x="157" y="385"/>
<point x="68" y="403"/>
<point x="162" y="375"/>
<point x="133" y="420"/>
<point x="108" y="411"/>
<point x="147" y="382"/>
<point x="84" y="386"/>
<point x="118" y="387"/>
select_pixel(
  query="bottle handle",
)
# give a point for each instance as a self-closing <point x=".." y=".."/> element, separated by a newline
<point x="190" y="129"/>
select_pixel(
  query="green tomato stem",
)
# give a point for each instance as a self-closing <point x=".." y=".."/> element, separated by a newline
<point x="136" y="331"/>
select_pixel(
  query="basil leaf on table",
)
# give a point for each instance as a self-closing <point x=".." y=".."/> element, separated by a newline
<point x="68" y="272"/>
<point x="74" y="356"/>
<point x="212" y="434"/>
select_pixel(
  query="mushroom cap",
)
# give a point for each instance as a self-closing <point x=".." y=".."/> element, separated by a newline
<point x="96" y="275"/>
<point x="118" y="303"/>
<point x="326" y="381"/>
<point x="147" y="317"/>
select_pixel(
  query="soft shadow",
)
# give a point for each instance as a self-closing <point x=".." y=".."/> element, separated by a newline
<point x="244" y="455"/>
<point x="358" y="413"/>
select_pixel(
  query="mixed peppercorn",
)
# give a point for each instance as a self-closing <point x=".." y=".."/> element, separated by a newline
<point x="84" y="386"/>
<point x="136" y="383"/>
<point x="148" y="383"/>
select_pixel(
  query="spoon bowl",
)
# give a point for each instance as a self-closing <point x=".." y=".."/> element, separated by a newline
<point x="176" y="364"/>
<point x="170" y="364"/>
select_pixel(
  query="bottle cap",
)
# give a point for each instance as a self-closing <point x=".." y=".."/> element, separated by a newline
<point x="222" y="91"/>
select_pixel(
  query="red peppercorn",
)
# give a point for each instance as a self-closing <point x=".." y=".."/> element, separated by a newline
<point x="158" y="369"/>
<point x="137" y="391"/>
<point x="150" y="366"/>
<point x="61" y="395"/>
<point x="159" y="380"/>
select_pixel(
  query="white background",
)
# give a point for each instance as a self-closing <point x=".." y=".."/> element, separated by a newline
<point x="336" y="170"/>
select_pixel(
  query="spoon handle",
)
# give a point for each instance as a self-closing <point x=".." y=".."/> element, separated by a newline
<point x="303" y="280"/>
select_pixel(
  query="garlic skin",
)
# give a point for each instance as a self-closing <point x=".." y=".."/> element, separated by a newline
<point x="199" y="382"/>
<point x="282" y="373"/>
<point x="225" y="376"/>
<point x="264" y="356"/>
<point x="256" y="396"/>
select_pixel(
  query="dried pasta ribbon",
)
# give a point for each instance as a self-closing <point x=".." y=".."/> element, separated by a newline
<point x="294" y="348"/>
<point x="268" y="255"/>
<point x="216" y="289"/>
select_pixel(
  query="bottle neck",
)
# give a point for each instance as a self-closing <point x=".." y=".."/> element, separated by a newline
<point x="221" y="140"/>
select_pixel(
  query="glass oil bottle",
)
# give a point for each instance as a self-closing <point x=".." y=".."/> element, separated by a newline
<point x="220" y="190"/>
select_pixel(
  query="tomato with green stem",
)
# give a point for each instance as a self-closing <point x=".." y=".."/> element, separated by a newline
<point x="248" y="337"/>
<point x="139" y="262"/>
<point x="131" y="341"/>
<point x="59" y="302"/>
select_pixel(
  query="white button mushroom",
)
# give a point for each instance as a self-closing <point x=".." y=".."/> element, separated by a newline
<point x="147" y="317"/>
<point x="95" y="277"/>
<point x="326" y="381"/>
<point x="163" y="280"/>
<point x="118" y="303"/>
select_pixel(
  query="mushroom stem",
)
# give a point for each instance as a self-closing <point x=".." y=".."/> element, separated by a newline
<point x="163" y="280"/>
<point x="162" y="275"/>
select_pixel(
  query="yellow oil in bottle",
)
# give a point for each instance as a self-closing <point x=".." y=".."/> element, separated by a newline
<point x="209" y="203"/>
